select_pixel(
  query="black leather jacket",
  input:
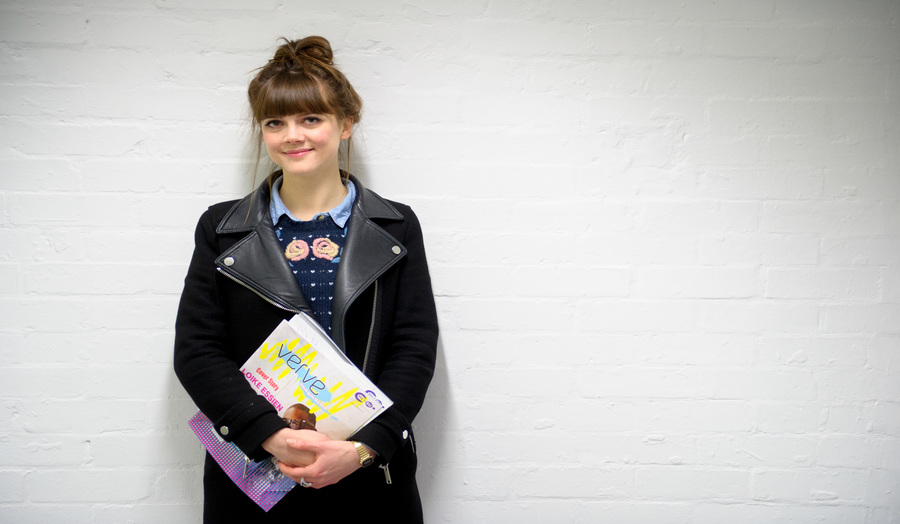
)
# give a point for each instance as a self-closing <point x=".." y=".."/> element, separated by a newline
<point x="239" y="286"/>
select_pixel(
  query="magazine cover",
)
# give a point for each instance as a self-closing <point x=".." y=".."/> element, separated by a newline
<point x="312" y="385"/>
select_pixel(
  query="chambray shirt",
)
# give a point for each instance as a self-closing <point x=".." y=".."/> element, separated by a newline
<point x="339" y="213"/>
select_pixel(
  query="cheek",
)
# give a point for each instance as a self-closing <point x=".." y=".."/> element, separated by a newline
<point x="316" y="137"/>
<point x="270" y="141"/>
<point x="331" y="139"/>
<point x="272" y="147"/>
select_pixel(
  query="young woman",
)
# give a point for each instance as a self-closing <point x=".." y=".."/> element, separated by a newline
<point x="310" y="238"/>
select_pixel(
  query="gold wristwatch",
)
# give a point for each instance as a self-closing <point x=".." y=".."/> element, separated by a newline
<point x="365" y="458"/>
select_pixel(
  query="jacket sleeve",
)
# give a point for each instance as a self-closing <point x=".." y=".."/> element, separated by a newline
<point x="203" y="362"/>
<point x="411" y="348"/>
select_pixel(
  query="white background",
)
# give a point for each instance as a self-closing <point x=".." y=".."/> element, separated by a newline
<point x="664" y="238"/>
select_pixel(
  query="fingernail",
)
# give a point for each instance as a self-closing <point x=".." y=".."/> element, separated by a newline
<point x="291" y="442"/>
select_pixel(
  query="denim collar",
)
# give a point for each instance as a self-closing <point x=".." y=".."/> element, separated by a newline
<point x="339" y="213"/>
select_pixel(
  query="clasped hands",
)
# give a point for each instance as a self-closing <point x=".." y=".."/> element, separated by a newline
<point x="310" y="455"/>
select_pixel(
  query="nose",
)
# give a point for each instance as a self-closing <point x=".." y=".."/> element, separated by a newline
<point x="294" y="132"/>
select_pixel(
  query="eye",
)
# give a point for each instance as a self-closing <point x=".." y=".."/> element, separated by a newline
<point x="311" y="120"/>
<point x="271" y="122"/>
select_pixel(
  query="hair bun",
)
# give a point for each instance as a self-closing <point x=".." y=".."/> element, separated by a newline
<point x="315" y="47"/>
<point x="296" y="52"/>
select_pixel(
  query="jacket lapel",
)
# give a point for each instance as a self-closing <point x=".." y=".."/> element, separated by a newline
<point x="368" y="252"/>
<point x="257" y="260"/>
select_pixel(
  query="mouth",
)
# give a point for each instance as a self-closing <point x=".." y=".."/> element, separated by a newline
<point x="296" y="153"/>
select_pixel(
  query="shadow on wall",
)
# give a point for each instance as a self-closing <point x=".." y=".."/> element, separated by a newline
<point x="430" y="429"/>
<point x="182" y="449"/>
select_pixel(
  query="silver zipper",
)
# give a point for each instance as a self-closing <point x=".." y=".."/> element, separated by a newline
<point x="260" y="295"/>
<point x="371" y="330"/>
<point x="387" y="473"/>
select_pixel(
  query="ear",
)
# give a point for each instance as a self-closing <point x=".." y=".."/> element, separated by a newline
<point x="347" y="128"/>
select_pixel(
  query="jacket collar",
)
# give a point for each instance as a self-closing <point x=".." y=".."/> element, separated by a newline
<point x="247" y="213"/>
<point x="256" y="261"/>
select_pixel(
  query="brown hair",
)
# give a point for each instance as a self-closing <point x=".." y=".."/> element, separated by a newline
<point x="301" y="78"/>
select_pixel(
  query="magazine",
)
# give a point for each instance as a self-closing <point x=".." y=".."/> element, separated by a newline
<point x="312" y="385"/>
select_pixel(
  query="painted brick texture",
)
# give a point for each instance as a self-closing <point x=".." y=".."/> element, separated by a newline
<point x="664" y="237"/>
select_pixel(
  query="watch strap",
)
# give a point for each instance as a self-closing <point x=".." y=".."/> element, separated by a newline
<point x="365" y="458"/>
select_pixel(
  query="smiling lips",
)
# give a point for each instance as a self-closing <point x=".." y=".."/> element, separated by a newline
<point x="297" y="153"/>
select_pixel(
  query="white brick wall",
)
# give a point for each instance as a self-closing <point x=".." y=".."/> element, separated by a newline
<point x="665" y="239"/>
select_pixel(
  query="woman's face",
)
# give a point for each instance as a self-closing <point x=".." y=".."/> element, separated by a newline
<point x="305" y="144"/>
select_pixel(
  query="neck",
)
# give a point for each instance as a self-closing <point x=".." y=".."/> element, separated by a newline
<point x="306" y="197"/>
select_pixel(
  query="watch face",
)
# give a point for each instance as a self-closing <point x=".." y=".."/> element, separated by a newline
<point x="367" y="462"/>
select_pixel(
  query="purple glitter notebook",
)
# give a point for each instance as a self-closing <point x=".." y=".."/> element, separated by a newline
<point x="261" y="481"/>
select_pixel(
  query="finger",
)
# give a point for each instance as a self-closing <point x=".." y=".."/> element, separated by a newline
<point x="303" y="445"/>
<point x="297" y="443"/>
<point x="301" y="472"/>
<point x="296" y="473"/>
<point x="290" y="472"/>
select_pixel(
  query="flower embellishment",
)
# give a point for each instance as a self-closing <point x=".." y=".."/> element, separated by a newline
<point x="325" y="248"/>
<point x="297" y="250"/>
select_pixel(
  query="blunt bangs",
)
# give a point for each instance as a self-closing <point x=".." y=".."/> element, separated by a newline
<point x="290" y="93"/>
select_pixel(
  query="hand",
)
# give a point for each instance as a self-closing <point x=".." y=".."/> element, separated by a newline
<point x="334" y="460"/>
<point x="278" y="447"/>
